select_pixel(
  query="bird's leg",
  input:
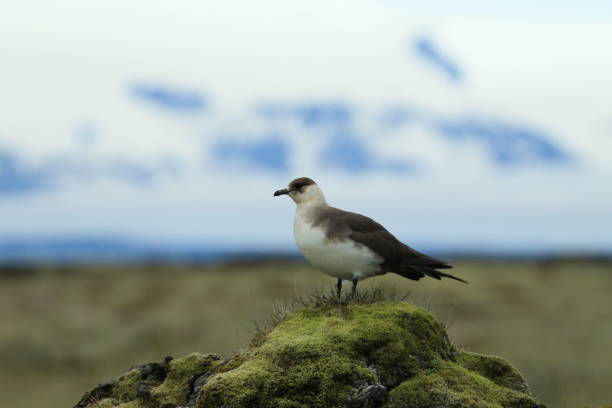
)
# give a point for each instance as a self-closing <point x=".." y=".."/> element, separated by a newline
<point x="339" y="288"/>
<point x="355" y="280"/>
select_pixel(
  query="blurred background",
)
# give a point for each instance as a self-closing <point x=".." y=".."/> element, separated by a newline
<point x="141" y="142"/>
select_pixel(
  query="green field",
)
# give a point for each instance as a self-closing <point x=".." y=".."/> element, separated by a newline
<point x="64" y="329"/>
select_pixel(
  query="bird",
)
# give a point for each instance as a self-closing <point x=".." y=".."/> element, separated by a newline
<point x="350" y="246"/>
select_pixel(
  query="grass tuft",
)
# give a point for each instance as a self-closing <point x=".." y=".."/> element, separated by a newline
<point x="326" y="298"/>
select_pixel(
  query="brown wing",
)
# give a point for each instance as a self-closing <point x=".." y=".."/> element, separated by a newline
<point x="398" y="257"/>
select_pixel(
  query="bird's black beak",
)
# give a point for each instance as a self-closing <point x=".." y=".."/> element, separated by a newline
<point x="281" y="192"/>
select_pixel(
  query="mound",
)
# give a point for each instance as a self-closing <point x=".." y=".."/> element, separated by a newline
<point x="366" y="354"/>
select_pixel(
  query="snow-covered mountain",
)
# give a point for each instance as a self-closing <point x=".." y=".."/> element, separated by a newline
<point x="473" y="130"/>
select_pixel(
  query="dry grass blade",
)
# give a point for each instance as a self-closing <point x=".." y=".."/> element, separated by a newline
<point x="323" y="297"/>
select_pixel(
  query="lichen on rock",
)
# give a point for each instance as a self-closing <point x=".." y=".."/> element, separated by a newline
<point x="365" y="354"/>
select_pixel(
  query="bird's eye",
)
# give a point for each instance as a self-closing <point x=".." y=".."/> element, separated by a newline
<point x="298" y="186"/>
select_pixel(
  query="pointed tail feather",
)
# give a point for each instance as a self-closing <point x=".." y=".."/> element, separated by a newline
<point x="417" y="272"/>
<point x="448" y="275"/>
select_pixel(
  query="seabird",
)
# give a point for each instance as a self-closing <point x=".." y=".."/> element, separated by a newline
<point x="350" y="246"/>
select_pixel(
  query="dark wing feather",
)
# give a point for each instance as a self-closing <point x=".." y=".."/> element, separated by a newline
<point x="398" y="257"/>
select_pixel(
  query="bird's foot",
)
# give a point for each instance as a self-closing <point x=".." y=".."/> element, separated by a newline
<point x="339" y="289"/>
<point x="354" y="291"/>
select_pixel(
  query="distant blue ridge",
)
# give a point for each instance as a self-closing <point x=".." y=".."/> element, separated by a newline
<point x="309" y="114"/>
<point x="131" y="173"/>
<point x="429" y="51"/>
<point x="323" y="113"/>
<point x="98" y="249"/>
<point x="397" y="116"/>
<point x="507" y="144"/>
<point x="268" y="153"/>
<point x="93" y="249"/>
<point x="16" y="178"/>
<point x="168" y="98"/>
<point x="346" y="152"/>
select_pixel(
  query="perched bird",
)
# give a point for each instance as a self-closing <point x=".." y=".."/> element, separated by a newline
<point x="350" y="246"/>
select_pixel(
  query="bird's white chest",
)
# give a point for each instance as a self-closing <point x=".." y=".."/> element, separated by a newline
<point x="342" y="259"/>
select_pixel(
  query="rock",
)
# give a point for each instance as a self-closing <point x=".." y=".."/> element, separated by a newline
<point x="171" y="383"/>
<point x="383" y="354"/>
<point x="367" y="396"/>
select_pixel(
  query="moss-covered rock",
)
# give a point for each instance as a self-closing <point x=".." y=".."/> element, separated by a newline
<point x="496" y="369"/>
<point x="176" y="388"/>
<point x="365" y="354"/>
<point x="454" y="386"/>
<point x="171" y="383"/>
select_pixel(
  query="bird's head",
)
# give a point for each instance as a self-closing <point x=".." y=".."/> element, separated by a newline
<point x="302" y="190"/>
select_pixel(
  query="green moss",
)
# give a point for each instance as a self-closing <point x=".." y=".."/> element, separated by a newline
<point x="397" y="338"/>
<point x="104" y="403"/>
<point x="111" y="403"/>
<point x="285" y="403"/>
<point x="127" y="386"/>
<point x="496" y="369"/>
<point x="181" y="372"/>
<point x="316" y="355"/>
<point x="245" y="385"/>
<point x="132" y="404"/>
<point x="330" y="354"/>
<point x="235" y="362"/>
<point x="453" y="386"/>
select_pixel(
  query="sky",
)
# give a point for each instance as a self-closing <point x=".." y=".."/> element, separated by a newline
<point x="480" y="128"/>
